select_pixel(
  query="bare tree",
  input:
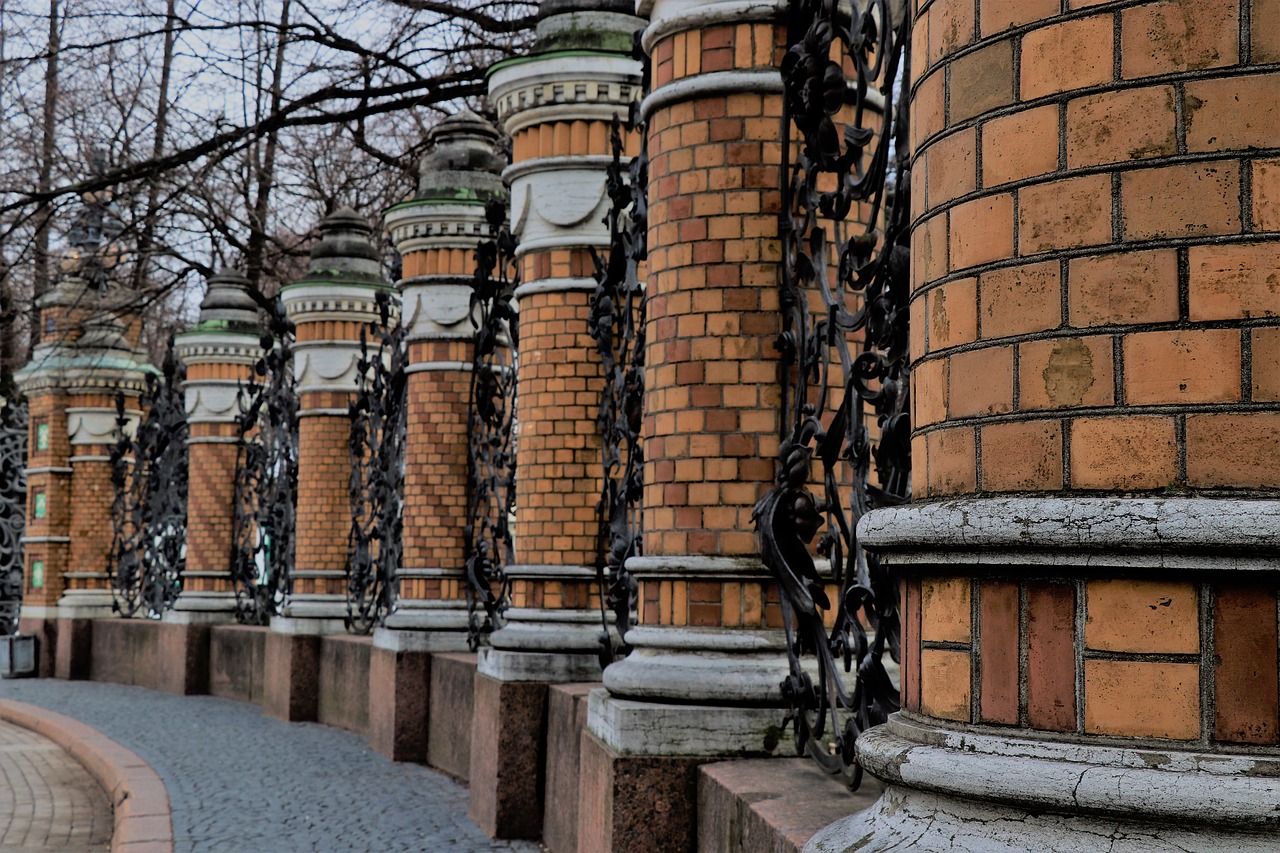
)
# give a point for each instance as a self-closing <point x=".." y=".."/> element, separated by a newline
<point x="227" y="130"/>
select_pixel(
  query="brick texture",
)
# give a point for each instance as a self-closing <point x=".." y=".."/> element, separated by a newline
<point x="1111" y="270"/>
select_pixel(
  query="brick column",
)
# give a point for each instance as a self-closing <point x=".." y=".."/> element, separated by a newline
<point x="329" y="306"/>
<point x="1089" y="559"/>
<point x="219" y="353"/>
<point x="436" y="233"/>
<point x="709" y="656"/>
<point x="557" y="105"/>
<point x="86" y="355"/>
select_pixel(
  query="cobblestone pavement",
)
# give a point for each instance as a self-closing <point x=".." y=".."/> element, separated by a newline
<point x="241" y="782"/>
<point x="48" y="801"/>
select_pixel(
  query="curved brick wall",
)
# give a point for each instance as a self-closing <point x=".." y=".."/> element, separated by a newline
<point x="1095" y="307"/>
<point x="1096" y="207"/>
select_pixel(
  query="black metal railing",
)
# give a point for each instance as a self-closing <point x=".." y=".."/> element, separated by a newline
<point x="378" y="424"/>
<point x="149" y="506"/>
<point x="13" y="506"/>
<point x="844" y="293"/>
<point x="266" y="485"/>
<point x="491" y="456"/>
<point x="617" y="326"/>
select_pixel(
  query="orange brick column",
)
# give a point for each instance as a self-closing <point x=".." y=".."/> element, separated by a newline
<point x="557" y="105"/>
<point x="436" y="233"/>
<point x="329" y="305"/>
<point x="219" y="353"/>
<point x="1090" y="574"/>
<point x="86" y="355"/>
<point x="703" y="679"/>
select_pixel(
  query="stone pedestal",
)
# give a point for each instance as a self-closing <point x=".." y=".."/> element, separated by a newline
<point x="452" y="713"/>
<point x="291" y="676"/>
<point x="399" y="688"/>
<point x="508" y="756"/>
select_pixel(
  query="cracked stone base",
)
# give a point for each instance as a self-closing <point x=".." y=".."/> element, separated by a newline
<point x="922" y="822"/>
<point x="985" y="792"/>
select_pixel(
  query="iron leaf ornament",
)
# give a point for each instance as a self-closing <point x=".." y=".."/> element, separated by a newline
<point x="13" y="504"/>
<point x="491" y="454"/>
<point x="844" y="367"/>
<point x="149" y="473"/>
<point x="616" y="324"/>
<point x="266" y="487"/>
<point x="379" y="420"/>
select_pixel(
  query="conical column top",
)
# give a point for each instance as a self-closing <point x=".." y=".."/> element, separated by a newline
<point x="462" y="164"/>
<point x="344" y="253"/>
<point x="228" y="305"/>
<point x="604" y="25"/>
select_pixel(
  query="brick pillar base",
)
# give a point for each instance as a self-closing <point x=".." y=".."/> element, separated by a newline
<point x="72" y="641"/>
<point x="399" y="688"/>
<point x="183" y="658"/>
<point x="291" y="676"/>
<point x="636" y="803"/>
<point x="451" y="715"/>
<point x="508" y="754"/>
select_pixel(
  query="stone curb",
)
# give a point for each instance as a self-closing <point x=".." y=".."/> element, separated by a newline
<point x="139" y="799"/>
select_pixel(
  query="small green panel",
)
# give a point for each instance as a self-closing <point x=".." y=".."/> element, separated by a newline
<point x="37" y="574"/>
<point x="41" y="505"/>
<point x="42" y="436"/>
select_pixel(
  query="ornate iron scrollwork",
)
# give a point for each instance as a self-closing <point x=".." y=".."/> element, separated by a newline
<point x="378" y="424"/>
<point x="491" y="457"/>
<point x="149" y="507"/>
<point x="13" y="500"/>
<point x="826" y="177"/>
<point x="266" y="485"/>
<point x="617" y="325"/>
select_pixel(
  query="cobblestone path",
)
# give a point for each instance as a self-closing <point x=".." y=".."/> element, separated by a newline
<point x="48" y="801"/>
<point x="241" y="782"/>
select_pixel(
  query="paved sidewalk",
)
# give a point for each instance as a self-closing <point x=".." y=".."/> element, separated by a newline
<point x="241" y="782"/>
<point x="48" y="800"/>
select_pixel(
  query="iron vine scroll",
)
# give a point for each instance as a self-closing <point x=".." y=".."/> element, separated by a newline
<point x="149" y="509"/>
<point x="617" y="326"/>
<point x="491" y="456"/>
<point x="845" y="204"/>
<point x="379" y="419"/>
<point x="13" y="500"/>
<point x="266" y="484"/>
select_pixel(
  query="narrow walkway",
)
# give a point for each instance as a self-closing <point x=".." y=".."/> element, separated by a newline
<point x="48" y="800"/>
<point x="241" y="782"/>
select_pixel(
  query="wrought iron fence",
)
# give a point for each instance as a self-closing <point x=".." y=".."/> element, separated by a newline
<point x="149" y="507"/>
<point x="491" y="456"/>
<point x="266" y="484"/>
<point x="845" y="364"/>
<point x="378" y="424"/>
<point x="617" y="325"/>
<point x="13" y="500"/>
